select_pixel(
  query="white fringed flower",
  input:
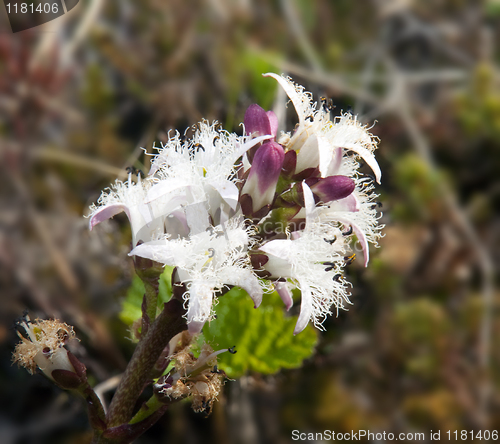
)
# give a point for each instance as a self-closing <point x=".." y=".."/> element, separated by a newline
<point x="122" y="196"/>
<point x="313" y="264"/>
<point x="147" y="221"/>
<point x="357" y="211"/>
<point x="183" y="173"/>
<point x="202" y="169"/>
<point x="207" y="261"/>
<point x="319" y="141"/>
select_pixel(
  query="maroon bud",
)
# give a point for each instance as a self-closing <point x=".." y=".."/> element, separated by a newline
<point x="264" y="174"/>
<point x="267" y="164"/>
<point x="259" y="122"/>
<point x="312" y="181"/>
<point x="333" y="188"/>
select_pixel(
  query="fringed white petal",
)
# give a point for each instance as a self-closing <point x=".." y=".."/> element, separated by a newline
<point x="160" y="251"/>
<point x="349" y="203"/>
<point x="164" y="187"/>
<point x="326" y="155"/>
<point x="199" y="305"/>
<point x="175" y="224"/>
<point x="107" y="212"/>
<point x="197" y="217"/>
<point x="245" y="279"/>
<point x="359" y="233"/>
<point x="367" y="156"/>
<point x="280" y="248"/>
<point x="242" y="149"/>
<point x="292" y="93"/>
<point x="309" y="154"/>
<point x="306" y="308"/>
<point x="228" y="191"/>
<point x="335" y="163"/>
<point x="309" y="201"/>
<point x="161" y="207"/>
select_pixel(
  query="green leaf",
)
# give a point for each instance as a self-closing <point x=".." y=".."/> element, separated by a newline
<point x="131" y="305"/>
<point x="263" y="337"/>
<point x="165" y="288"/>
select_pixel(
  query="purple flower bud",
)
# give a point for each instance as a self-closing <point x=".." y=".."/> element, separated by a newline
<point x="333" y="188"/>
<point x="273" y="122"/>
<point x="264" y="174"/>
<point x="259" y="122"/>
<point x="267" y="165"/>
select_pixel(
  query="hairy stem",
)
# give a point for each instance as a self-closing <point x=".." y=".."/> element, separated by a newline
<point x="165" y="327"/>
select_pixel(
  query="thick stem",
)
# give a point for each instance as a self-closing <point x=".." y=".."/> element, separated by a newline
<point x="165" y="327"/>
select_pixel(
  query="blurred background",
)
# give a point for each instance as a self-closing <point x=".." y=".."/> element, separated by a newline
<point x="81" y="95"/>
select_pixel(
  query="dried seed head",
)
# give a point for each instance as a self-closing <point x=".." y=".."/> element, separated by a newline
<point x="44" y="346"/>
<point x="194" y="377"/>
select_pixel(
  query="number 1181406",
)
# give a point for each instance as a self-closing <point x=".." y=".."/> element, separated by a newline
<point x="471" y="435"/>
<point x="24" y="8"/>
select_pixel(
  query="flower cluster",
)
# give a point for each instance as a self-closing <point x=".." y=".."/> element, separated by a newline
<point x="259" y="211"/>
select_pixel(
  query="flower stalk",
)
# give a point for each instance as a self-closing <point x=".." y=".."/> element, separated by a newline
<point x="149" y="272"/>
<point x="168" y="323"/>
